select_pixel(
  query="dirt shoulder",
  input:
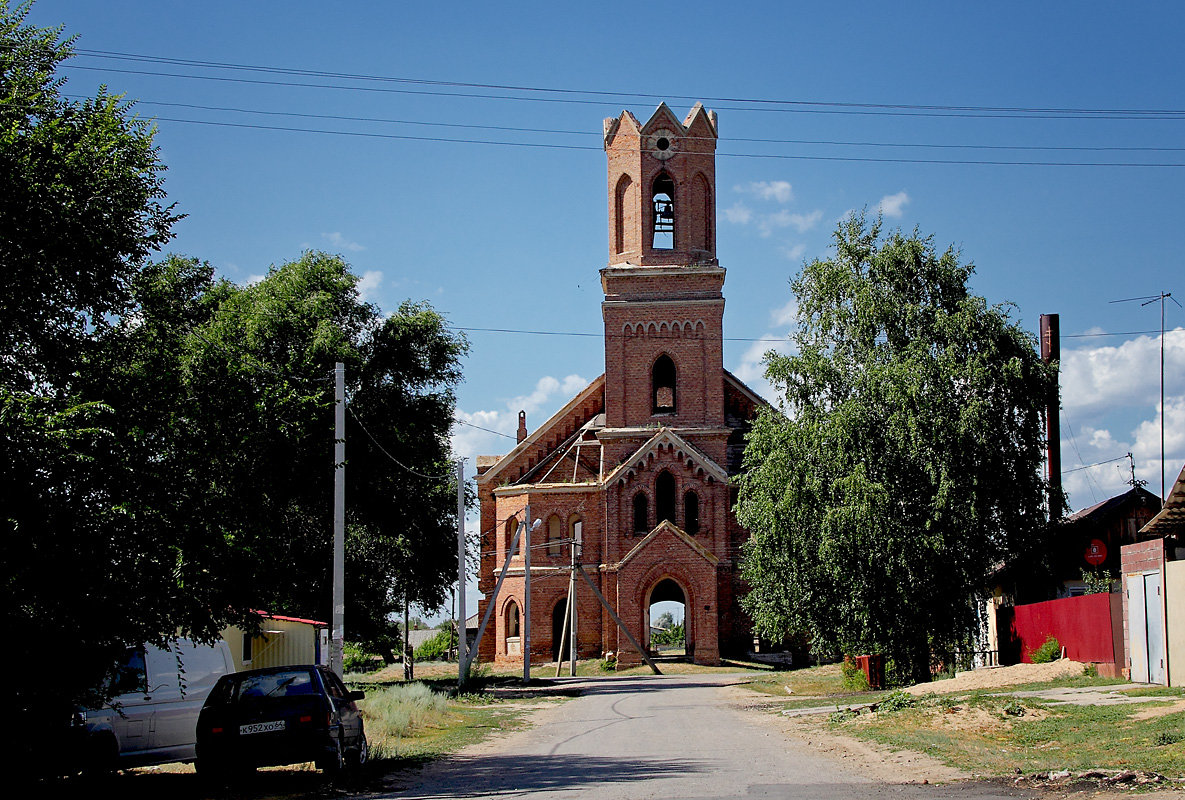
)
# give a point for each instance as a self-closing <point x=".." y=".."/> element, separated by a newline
<point x="866" y="759"/>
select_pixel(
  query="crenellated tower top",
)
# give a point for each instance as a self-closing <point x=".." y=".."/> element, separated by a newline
<point x="662" y="188"/>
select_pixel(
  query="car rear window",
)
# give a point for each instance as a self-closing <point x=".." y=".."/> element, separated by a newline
<point x="289" y="683"/>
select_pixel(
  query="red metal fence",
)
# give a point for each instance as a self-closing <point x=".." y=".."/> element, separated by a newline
<point x="1088" y="627"/>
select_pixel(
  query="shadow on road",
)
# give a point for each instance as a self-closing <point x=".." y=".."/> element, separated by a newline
<point x="476" y="776"/>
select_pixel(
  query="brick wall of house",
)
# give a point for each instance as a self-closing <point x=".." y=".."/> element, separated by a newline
<point x="1137" y="558"/>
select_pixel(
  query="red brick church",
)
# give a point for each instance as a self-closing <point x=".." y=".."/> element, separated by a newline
<point x="639" y="465"/>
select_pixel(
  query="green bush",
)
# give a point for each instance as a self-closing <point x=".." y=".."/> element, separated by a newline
<point x="437" y="648"/>
<point x="854" y="679"/>
<point x="355" y="659"/>
<point x="609" y="664"/>
<point x="896" y="701"/>
<point x="1050" y="651"/>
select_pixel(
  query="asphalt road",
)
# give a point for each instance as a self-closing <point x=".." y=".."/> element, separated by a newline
<point x="671" y="737"/>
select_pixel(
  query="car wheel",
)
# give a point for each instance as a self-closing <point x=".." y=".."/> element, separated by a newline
<point x="102" y="756"/>
<point x="361" y="756"/>
<point x="332" y="763"/>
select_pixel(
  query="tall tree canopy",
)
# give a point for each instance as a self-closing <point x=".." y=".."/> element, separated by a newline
<point x="166" y="438"/>
<point x="80" y="211"/>
<point x="907" y="463"/>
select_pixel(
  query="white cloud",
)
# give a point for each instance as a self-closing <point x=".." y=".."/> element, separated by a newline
<point x="780" y="191"/>
<point x="337" y="240"/>
<point x="1095" y="378"/>
<point x="795" y="252"/>
<point x="804" y="222"/>
<point x="1111" y="397"/>
<point x="751" y="368"/>
<point x="739" y="214"/>
<point x="368" y="284"/>
<point x="786" y="315"/>
<point x="893" y="205"/>
<point x="549" y="395"/>
<point x="253" y="279"/>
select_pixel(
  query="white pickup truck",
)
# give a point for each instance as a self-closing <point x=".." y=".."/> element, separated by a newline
<point x="152" y="719"/>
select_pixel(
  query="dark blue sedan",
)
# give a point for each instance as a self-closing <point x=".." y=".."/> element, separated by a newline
<point x="280" y="715"/>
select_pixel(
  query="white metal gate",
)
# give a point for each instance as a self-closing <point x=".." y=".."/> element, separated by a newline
<point x="1145" y="628"/>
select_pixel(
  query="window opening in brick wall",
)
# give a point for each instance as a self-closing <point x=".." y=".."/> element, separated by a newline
<point x="555" y="535"/>
<point x="573" y="521"/>
<point x="664" y="497"/>
<point x="663" y="200"/>
<point x="691" y="512"/>
<point x="512" y="620"/>
<point x="511" y="527"/>
<point x="641" y="513"/>
<point x="663" y="380"/>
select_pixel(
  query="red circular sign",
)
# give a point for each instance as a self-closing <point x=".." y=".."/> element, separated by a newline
<point x="1096" y="552"/>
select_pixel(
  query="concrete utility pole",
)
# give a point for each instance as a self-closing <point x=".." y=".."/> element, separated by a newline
<point x="338" y="639"/>
<point x="577" y="539"/>
<point x="462" y="642"/>
<point x="527" y="598"/>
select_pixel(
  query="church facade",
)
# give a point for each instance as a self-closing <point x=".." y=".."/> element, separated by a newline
<point x="636" y="471"/>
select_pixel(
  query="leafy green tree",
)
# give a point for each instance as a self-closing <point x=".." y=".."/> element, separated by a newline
<point x="80" y="185"/>
<point x="907" y="462"/>
<point x="243" y="440"/>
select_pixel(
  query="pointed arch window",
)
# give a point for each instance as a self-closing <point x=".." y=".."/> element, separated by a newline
<point x="691" y="512"/>
<point x="555" y="535"/>
<point x="512" y="620"/>
<point x="620" y="207"/>
<point x="641" y="513"/>
<point x="664" y="497"/>
<point x="662" y="198"/>
<point x="663" y="383"/>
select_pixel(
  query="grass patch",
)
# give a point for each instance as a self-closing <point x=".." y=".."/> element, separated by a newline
<point x="825" y="681"/>
<point x="992" y="735"/>
<point x="414" y="722"/>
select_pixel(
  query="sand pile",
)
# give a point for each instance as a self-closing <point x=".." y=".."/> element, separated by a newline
<point x="998" y="677"/>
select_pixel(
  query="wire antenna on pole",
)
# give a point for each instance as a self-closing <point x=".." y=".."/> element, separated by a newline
<point x="1145" y="301"/>
<point x="1134" y="481"/>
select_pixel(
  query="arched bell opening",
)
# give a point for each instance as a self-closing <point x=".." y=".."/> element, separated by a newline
<point x="662" y="200"/>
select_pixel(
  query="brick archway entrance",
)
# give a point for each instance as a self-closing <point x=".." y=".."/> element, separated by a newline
<point x="667" y="589"/>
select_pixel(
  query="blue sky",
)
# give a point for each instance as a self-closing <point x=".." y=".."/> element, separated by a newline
<point x="512" y="237"/>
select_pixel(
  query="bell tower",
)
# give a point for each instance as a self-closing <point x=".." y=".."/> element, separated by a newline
<point x="662" y="183"/>
<point x="664" y="306"/>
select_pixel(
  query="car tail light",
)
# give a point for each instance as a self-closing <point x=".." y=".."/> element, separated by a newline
<point x="307" y="718"/>
<point x="216" y="729"/>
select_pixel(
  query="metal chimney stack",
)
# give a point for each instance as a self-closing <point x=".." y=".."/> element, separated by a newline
<point x="1051" y="351"/>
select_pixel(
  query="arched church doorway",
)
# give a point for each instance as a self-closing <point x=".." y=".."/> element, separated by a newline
<point x="668" y="634"/>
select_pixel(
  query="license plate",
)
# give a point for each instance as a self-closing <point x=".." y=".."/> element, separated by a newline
<point x="262" y="727"/>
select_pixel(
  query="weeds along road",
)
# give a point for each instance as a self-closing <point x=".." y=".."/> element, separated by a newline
<point x="670" y="737"/>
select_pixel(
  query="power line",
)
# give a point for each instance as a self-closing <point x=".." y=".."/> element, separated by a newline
<point x="460" y="421"/>
<point x="588" y="134"/>
<point x="383" y="450"/>
<point x="828" y="106"/>
<point x="1096" y="464"/>
<point x="778" y="156"/>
